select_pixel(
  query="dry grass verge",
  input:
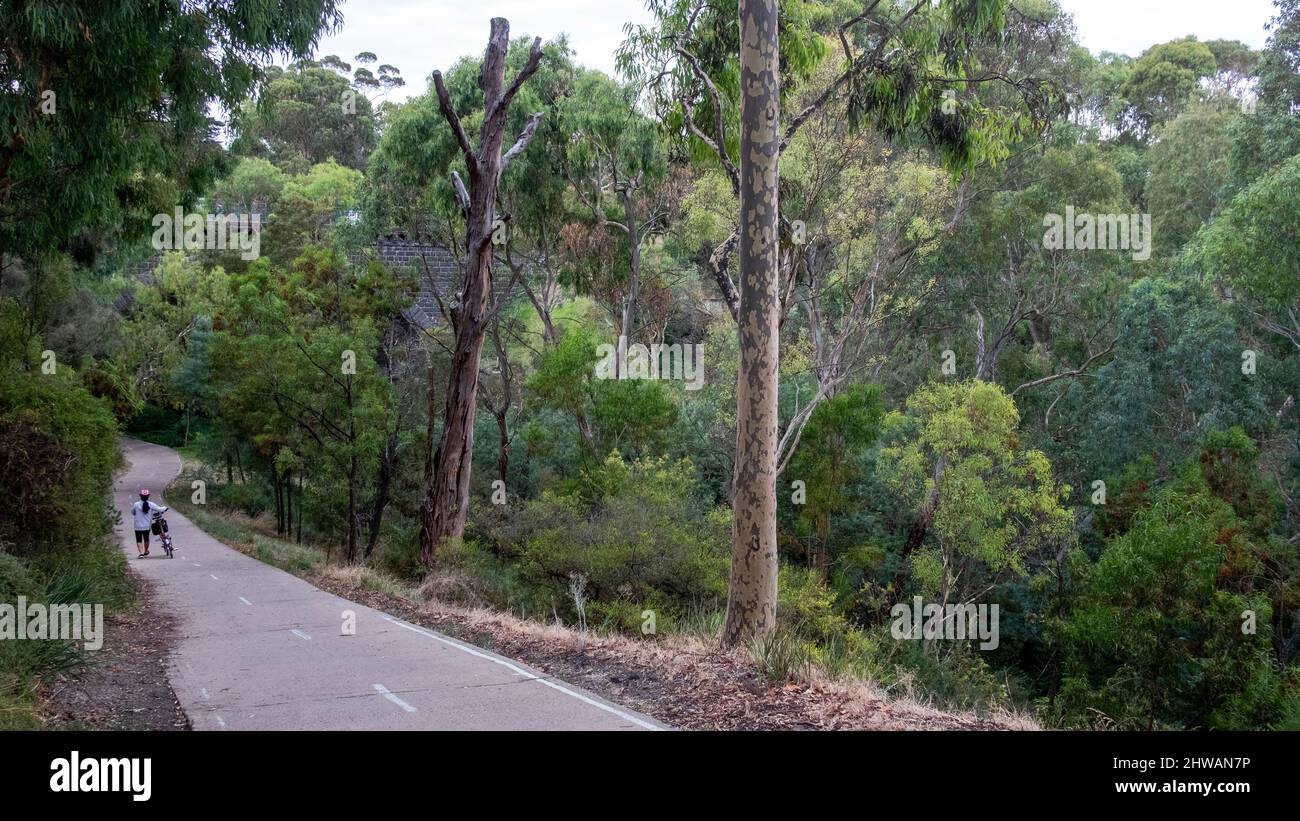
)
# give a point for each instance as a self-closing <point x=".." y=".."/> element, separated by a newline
<point x="679" y="680"/>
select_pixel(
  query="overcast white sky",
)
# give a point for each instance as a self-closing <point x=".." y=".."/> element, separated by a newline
<point x="418" y="36"/>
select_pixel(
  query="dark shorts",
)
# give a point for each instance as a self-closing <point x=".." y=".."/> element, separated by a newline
<point x="142" y="535"/>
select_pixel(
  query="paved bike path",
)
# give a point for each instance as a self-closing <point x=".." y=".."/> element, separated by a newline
<point x="261" y="649"/>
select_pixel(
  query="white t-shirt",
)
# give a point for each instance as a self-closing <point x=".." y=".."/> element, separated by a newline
<point x="144" y="518"/>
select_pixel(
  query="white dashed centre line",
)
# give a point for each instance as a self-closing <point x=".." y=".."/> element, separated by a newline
<point x="384" y="691"/>
<point x="246" y="601"/>
<point x="214" y="578"/>
<point x="301" y="635"/>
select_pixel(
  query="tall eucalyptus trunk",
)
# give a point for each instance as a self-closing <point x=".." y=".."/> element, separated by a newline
<point x="751" y="602"/>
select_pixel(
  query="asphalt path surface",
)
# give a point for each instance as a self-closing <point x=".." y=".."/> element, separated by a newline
<point x="260" y="649"/>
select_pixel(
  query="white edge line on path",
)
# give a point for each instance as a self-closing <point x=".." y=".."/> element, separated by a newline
<point x="386" y="693"/>
<point x="522" y="672"/>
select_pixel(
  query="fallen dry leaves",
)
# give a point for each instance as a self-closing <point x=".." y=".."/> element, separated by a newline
<point x="124" y="684"/>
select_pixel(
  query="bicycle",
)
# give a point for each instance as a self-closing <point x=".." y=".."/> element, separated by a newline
<point x="160" y="530"/>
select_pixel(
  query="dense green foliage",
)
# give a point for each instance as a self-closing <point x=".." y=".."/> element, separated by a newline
<point x="104" y="120"/>
<point x="104" y="123"/>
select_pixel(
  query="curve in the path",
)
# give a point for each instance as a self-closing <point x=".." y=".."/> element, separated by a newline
<point x="260" y="649"/>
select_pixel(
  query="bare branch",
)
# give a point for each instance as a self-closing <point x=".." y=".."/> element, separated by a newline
<point x="719" y="146"/>
<point x="1079" y="371"/>
<point x="462" y="196"/>
<point x="718" y="265"/>
<point x="732" y="174"/>
<point x="525" y="137"/>
<point x="529" y="69"/>
<point x="449" y="114"/>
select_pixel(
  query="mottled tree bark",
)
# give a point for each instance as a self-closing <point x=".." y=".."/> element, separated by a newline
<point x="751" y="603"/>
<point x="446" y="502"/>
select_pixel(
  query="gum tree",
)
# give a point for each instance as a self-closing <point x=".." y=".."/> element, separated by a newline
<point x="898" y="62"/>
<point x="1272" y="132"/>
<point x="613" y="163"/>
<point x="1251" y="250"/>
<point x="310" y="112"/>
<point x="751" y="600"/>
<point x="297" y="372"/>
<point x="997" y="506"/>
<point x="1163" y="80"/>
<point x="446" y="500"/>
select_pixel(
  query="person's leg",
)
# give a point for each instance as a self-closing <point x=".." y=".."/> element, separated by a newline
<point x="141" y="540"/>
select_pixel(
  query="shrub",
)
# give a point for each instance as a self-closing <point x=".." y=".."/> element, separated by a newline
<point x="635" y="530"/>
<point x="251" y="498"/>
<point x="469" y="574"/>
<point x="15" y="579"/>
<point x="807" y="605"/>
<point x="954" y="674"/>
<point x="60" y="448"/>
<point x="623" y="616"/>
<point x="161" y="426"/>
<point x="781" y="656"/>
<point x="399" y="554"/>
